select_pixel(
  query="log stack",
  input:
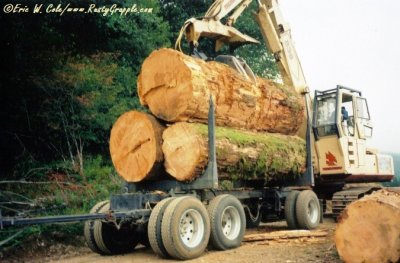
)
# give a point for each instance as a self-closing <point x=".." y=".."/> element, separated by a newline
<point x="368" y="230"/>
<point x="256" y="122"/>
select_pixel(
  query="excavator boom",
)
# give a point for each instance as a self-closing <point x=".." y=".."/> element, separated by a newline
<point x="277" y="36"/>
<point x="275" y="30"/>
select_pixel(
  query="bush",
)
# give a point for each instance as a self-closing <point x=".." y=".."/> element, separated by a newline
<point x="64" y="193"/>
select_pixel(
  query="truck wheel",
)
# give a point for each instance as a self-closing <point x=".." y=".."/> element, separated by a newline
<point x="185" y="228"/>
<point x="290" y="210"/>
<point x="88" y="228"/>
<point x="113" y="241"/>
<point x="308" y="212"/>
<point x="154" y="227"/>
<point x="227" y="221"/>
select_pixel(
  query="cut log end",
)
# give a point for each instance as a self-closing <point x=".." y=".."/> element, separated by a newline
<point x="135" y="145"/>
<point x="158" y="84"/>
<point x="186" y="151"/>
<point x="369" y="229"/>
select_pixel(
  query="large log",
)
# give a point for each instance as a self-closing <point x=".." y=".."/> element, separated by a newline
<point x="177" y="87"/>
<point x="240" y="154"/>
<point x="369" y="229"/>
<point x="135" y="146"/>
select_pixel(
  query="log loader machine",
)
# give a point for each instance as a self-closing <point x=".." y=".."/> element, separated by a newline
<point x="336" y="144"/>
<point x="179" y="219"/>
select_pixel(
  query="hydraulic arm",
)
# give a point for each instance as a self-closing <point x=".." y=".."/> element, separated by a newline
<point x="275" y="30"/>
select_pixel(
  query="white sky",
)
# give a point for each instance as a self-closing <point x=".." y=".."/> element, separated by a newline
<point x="355" y="43"/>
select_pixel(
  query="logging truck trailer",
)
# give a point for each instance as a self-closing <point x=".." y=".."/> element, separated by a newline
<point x="179" y="220"/>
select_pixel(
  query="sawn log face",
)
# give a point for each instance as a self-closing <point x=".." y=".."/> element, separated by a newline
<point x="369" y="229"/>
<point x="135" y="146"/>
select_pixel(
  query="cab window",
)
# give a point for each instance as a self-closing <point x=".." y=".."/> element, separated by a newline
<point x="325" y="120"/>
<point x="362" y="109"/>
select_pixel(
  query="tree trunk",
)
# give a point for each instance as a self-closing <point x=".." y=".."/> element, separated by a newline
<point x="135" y="146"/>
<point x="369" y="229"/>
<point x="240" y="154"/>
<point x="177" y="87"/>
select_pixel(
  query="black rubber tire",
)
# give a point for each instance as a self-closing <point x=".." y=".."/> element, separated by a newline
<point x="290" y="210"/>
<point x="252" y="222"/>
<point x="308" y="212"/>
<point x="88" y="228"/>
<point x="154" y="227"/>
<point x="113" y="241"/>
<point x="171" y="223"/>
<point x="215" y="210"/>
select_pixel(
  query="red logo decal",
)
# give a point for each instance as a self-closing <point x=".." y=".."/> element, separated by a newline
<point x="330" y="159"/>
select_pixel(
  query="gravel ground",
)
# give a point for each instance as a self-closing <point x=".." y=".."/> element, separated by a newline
<point x="319" y="249"/>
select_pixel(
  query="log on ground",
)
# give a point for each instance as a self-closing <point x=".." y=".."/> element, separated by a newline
<point x="240" y="154"/>
<point x="290" y="234"/>
<point x="135" y="146"/>
<point x="368" y="230"/>
<point x="177" y="87"/>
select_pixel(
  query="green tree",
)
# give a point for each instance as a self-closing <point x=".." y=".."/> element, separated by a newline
<point x="81" y="100"/>
<point x="65" y="79"/>
<point x="260" y="60"/>
<point x="257" y="56"/>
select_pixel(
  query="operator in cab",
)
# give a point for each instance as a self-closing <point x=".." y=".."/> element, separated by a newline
<point x="345" y="117"/>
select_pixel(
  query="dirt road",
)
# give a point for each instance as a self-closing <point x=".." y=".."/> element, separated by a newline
<point x="293" y="250"/>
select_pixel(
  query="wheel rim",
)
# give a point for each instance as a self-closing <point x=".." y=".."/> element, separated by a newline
<point x="230" y="222"/>
<point x="191" y="228"/>
<point x="312" y="211"/>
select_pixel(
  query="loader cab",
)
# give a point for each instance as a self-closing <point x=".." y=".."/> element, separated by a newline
<point x="341" y="112"/>
<point x="341" y="126"/>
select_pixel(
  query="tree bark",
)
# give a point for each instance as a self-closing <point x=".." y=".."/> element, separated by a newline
<point x="135" y="146"/>
<point x="240" y="154"/>
<point x="369" y="229"/>
<point x="177" y="87"/>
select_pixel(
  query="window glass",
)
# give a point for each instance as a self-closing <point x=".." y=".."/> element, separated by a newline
<point x="362" y="108"/>
<point x="326" y="111"/>
<point x="368" y="131"/>
<point x="326" y="116"/>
